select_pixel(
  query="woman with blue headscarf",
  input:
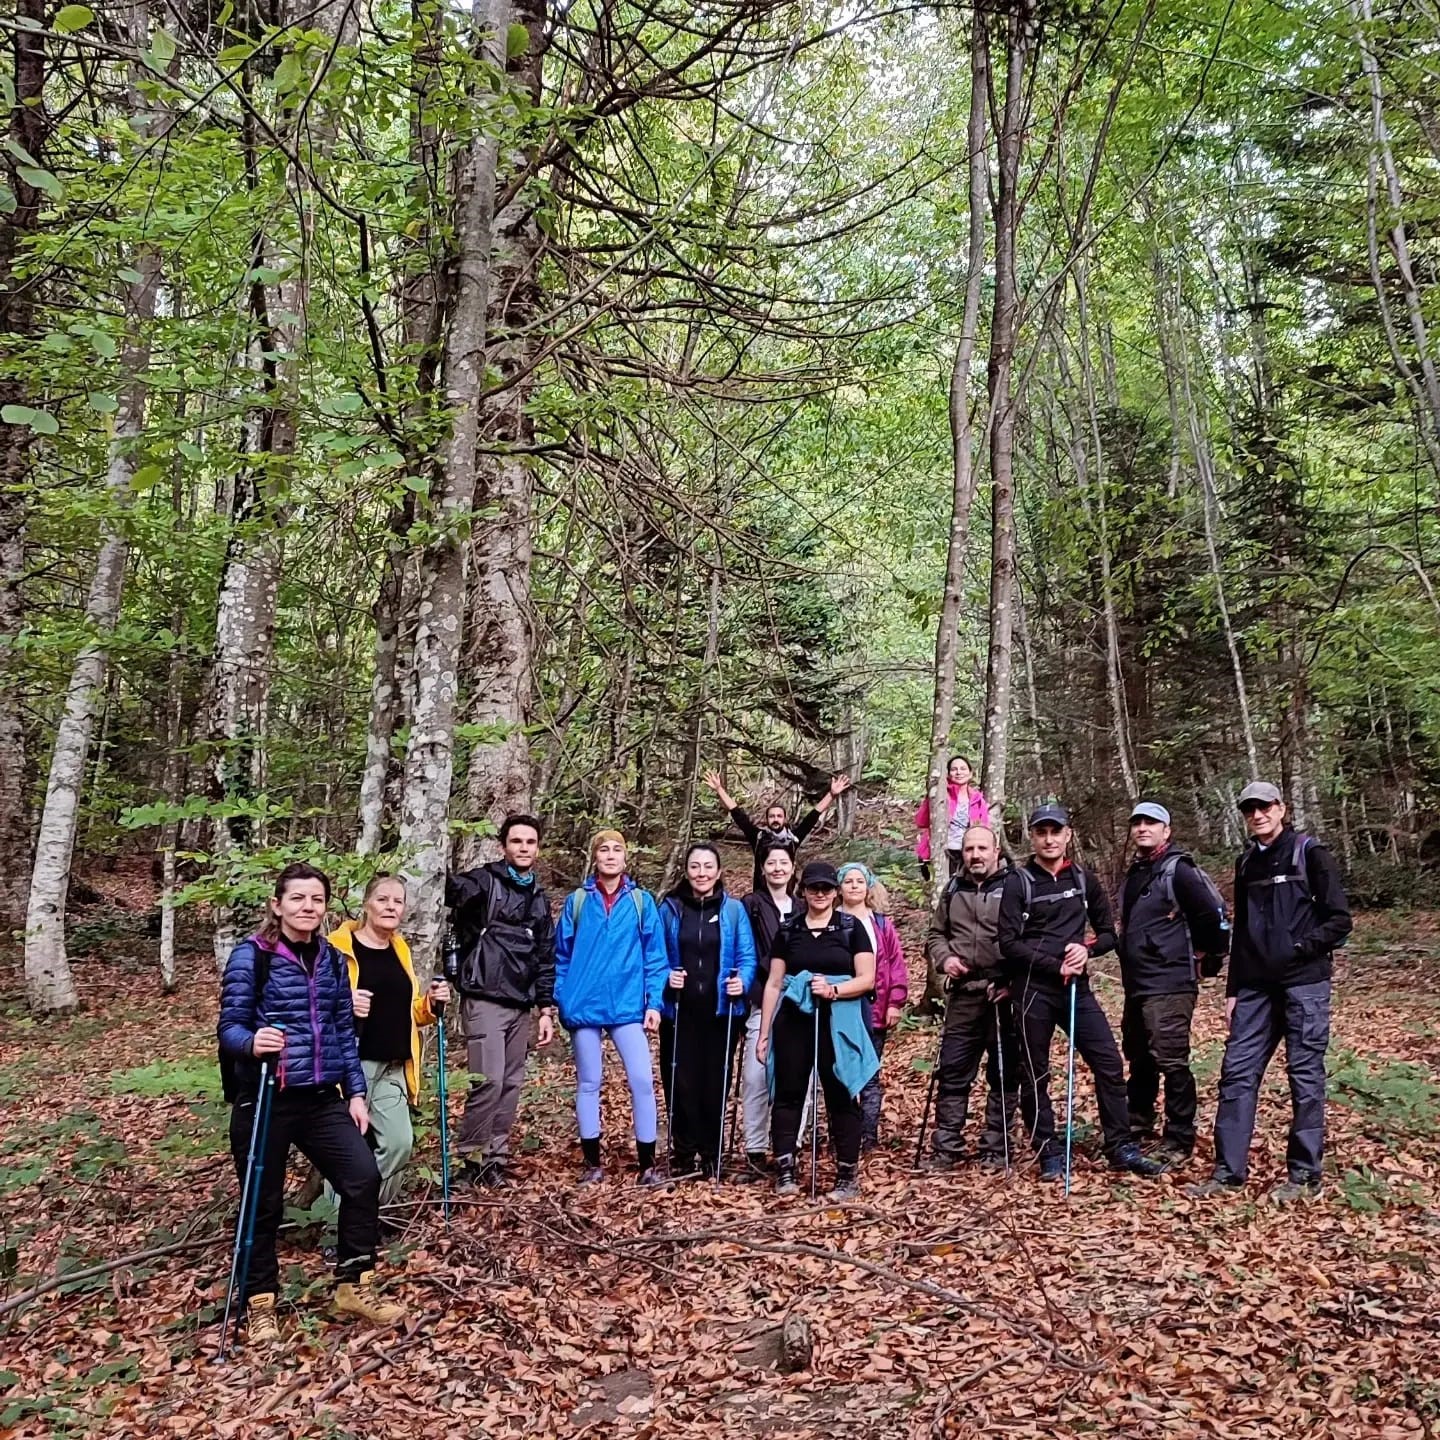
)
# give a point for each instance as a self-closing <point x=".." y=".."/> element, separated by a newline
<point x="864" y="897"/>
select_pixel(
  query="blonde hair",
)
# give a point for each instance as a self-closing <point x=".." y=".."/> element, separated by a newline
<point x="877" y="897"/>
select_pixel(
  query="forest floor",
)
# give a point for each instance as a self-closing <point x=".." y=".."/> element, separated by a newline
<point x="954" y="1305"/>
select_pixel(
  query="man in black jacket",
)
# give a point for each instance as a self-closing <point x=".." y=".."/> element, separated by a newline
<point x="777" y="830"/>
<point x="1172" y="930"/>
<point x="964" y="950"/>
<point x="507" y="966"/>
<point x="1290" y="915"/>
<point x="1045" y="909"/>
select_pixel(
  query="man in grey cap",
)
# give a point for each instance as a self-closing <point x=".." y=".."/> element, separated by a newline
<point x="1290" y="915"/>
<point x="1172" y="931"/>
<point x="1047" y="906"/>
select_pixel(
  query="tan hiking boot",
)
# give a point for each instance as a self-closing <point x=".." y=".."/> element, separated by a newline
<point x="364" y="1300"/>
<point x="260" y="1326"/>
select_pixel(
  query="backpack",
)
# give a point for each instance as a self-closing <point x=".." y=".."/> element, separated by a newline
<point x="636" y="894"/>
<point x="232" y="1079"/>
<point x="1166" y="877"/>
<point x="1027" y="884"/>
<point x="1296" y="876"/>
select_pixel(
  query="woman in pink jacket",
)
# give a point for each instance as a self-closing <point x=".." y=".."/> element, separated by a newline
<point x="968" y="807"/>
<point x="864" y="897"/>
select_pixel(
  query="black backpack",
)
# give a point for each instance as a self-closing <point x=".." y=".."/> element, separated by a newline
<point x="1027" y="884"/>
<point x="1166" y="877"/>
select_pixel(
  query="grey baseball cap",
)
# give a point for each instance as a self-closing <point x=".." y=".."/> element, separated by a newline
<point x="1261" y="790"/>
<point x="1149" y="810"/>
<point x="1050" y="814"/>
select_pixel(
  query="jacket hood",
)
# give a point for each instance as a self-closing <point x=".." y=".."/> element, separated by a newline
<point x="592" y="883"/>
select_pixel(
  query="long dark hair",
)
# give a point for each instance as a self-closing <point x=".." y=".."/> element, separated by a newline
<point x="293" y="872"/>
<point x="683" y="889"/>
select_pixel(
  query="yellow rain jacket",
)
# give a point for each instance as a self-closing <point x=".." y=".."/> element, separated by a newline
<point x="343" y="940"/>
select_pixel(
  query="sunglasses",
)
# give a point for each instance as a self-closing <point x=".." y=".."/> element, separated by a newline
<point x="1254" y="807"/>
<point x="820" y="889"/>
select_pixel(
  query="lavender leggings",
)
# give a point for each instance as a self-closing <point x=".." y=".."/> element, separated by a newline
<point x="634" y="1049"/>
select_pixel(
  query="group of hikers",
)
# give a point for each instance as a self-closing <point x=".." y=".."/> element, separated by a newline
<point x="806" y="977"/>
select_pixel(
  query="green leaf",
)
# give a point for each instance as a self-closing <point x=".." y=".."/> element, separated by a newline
<point x="517" y="41"/>
<point x="41" y="180"/>
<point x="7" y="200"/>
<point x="105" y="404"/>
<point x="234" y="54"/>
<point x="190" y="451"/>
<point x="344" y="404"/>
<point x="42" y="422"/>
<point x="162" y="50"/>
<point x="147" y="477"/>
<point x="70" y="18"/>
<point x="7" y="91"/>
<point x="130" y="275"/>
<point x="289" y="73"/>
<point x="420" y="484"/>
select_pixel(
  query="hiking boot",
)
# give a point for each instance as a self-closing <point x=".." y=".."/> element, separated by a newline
<point x="993" y="1160"/>
<point x="1052" y="1168"/>
<point x="492" y="1174"/>
<point x="1129" y="1158"/>
<point x="363" y="1299"/>
<point x="847" y="1183"/>
<point x="648" y="1178"/>
<point x="755" y="1169"/>
<point x="941" y="1161"/>
<point x="785" y="1182"/>
<point x="1213" y="1187"/>
<point x="592" y="1175"/>
<point x="1169" y="1156"/>
<point x="260" y="1324"/>
<point x="1293" y="1191"/>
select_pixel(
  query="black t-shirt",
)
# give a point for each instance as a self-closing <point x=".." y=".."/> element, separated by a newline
<point x="830" y="951"/>
<point x="385" y="1033"/>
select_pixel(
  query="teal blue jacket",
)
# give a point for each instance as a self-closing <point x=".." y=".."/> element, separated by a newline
<point x="856" y="1063"/>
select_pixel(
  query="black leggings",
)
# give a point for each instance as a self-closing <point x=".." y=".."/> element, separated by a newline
<point x="317" y="1122"/>
<point x="701" y="1065"/>
<point x="792" y="1039"/>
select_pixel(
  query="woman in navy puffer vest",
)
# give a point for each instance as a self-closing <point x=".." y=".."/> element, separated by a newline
<point x="285" y="998"/>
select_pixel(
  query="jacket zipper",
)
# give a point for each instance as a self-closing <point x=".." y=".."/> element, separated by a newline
<point x="314" y="1012"/>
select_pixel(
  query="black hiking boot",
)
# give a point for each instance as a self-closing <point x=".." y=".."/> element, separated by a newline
<point x="785" y="1182"/>
<point x="1129" y="1158"/>
<point x="847" y="1183"/>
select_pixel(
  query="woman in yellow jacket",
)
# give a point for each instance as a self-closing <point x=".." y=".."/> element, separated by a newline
<point x="389" y="1010"/>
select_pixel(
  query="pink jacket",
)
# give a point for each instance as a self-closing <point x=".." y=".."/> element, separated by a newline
<point x="979" y="815"/>
<point x="892" y="980"/>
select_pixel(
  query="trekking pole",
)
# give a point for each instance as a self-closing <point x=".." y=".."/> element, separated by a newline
<point x="725" y="1083"/>
<point x="929" y="1098"/>
<point x="930" y="1088"/>
<point x="815" y="1111"/>
<point x="1004" y="1094"/>
<point x="670" y="1099"/>
<point x="249" y="1203"/>
<point x="450" y="963"/>
<point x="1070" y="1089"/>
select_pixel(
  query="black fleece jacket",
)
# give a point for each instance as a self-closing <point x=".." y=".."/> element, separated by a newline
<point x="1032" y="948"/>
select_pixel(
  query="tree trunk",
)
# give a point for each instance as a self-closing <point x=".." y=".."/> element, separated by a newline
<point x="430" y="756"/>
<point x="421" y="303"/>
<point x="1004" y="319"/>
<point x="47" y="968"/>
<point x="29" y="125"/>
<point x="695" y="754"/>
<point x="962" y="459"/>
<point x="1425" y="385"/>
